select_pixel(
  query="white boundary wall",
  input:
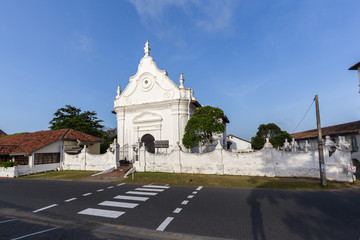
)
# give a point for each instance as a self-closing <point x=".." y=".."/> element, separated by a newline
<point x="9" y="172"/>
<point x="89" y="162"/>
<point x="266" y="162"/>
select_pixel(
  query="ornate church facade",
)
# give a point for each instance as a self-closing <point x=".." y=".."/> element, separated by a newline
<point x="152" y="108"/>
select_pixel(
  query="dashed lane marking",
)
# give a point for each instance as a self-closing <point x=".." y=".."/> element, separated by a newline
<point x="124" y="197"/>
<point x="177" y="210"/>
<point x="118" y="204"/>
<point x="199" y="188"/>
<point x="120" y="184"/>
<point x="190" y="196"/>
<point x="149" y="189"/>
<point x="71" y="199"/>
<point x="155" y="186"/>
<point x="164" y="224"/>
<point x="87" y="194"/>
<point x="184" y="202"/>
<point x="101" y="213"/>
<point x="10" y="220"/>
<point x="110" y="187"/>
<point x="32" y="234"/>
<point x="100" y="190"/>
<point x="44" y="208"/>
<point x="195" y="192"/>
<point x="141" y="193"/>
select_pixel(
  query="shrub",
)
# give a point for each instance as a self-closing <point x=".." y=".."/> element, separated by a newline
<point x="8" y="164"/>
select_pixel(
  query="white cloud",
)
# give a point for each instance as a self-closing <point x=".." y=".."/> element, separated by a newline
<point x="209" y="16"/>
<point x="82" y="43"/>
<point x="216" y="15"/>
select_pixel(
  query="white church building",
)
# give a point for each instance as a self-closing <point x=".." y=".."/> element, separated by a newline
<point x="152" y="108"/>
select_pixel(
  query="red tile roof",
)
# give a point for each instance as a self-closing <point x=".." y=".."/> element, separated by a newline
<point x="29" y="142"/>
<point x="345" y="128"/>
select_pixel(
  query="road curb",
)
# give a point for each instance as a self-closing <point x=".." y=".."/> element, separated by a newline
<point x="109" y="230"/>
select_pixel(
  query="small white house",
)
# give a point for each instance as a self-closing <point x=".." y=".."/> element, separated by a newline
<point x="43" y="150"/>
<point x="236" y="144"/>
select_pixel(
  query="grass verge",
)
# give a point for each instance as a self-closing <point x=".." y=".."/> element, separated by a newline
<point x="237" y="181"/>
<point x="62" y="175"/>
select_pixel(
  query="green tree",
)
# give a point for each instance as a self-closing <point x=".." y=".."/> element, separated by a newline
<point x="72" y="117"/>
<point x="203" y="124"/>
<point x="86" y="122"/>
<point x="273" y="132"/>
<point x="108" y="136"/>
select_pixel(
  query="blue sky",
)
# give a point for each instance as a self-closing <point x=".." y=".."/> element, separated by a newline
<point x="260" y="61"/>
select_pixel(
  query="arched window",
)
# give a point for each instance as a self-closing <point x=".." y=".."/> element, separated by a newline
<point x="354" y="146"/>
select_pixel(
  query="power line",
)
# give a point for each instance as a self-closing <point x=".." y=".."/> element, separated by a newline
<point x="304" y="116"/>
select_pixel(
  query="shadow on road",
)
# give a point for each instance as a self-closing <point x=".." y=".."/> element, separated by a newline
<point x="283" y="214"/>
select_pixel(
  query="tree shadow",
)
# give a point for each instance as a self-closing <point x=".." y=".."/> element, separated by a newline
<point x="304" y="214"/>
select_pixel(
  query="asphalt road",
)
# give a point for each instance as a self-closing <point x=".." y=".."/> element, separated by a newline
<point x="47" y="209"/>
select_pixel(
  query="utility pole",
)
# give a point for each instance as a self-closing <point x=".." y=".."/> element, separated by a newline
<point x="320" y="144"/>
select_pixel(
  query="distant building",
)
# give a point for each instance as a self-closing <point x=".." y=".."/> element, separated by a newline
<point x="356" y="67"/>
<point x="351" y="132"/>
<point x="235" y="144"/>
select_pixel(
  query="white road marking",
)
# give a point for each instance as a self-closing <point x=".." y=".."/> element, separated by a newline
<point x="155" y="186"/>
<point x="120" y="184"/>
<point x="184" y="202"/>
<point x="141" y="193"/>
<point x="71" y="199"/>
<point x="110" y="187"/>
<point x="177" y="210"/>
<point x="190" y="196"/>
<point x="149" y="189"/>
<point x="164" y="224"/>
<point x="100" y="190"/>
<point x="194" y="192"/>
<point x="101" y="213"/>
<point x="118" y="204"/>
<point x="199" y="188"/>
<point x="32" y="234"/>
<point x="124" y="197"/>
<point x="10" y="220"/>
<point x="87" y="194"/>
<point x="41" y="209"/>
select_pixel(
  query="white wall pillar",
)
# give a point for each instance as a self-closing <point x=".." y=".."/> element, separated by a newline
<point x="120" y="118"/>
<point x="31" y="160"/>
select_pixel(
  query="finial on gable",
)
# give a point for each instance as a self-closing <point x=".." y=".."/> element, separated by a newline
<point x="147" y="48"/>
<point x="181" y="81"/>
<point x="118" y="90"/>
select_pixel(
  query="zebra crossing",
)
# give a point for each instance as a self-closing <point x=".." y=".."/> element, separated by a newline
<point x="129" y="200"/>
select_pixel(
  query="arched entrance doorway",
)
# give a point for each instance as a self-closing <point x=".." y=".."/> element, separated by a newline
<point x="356" y="163"/>
<point x="148" y="141"/>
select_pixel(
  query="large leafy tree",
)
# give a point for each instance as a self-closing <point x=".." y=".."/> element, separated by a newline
<point x="72" y="117"/>
<point x="273" y="132"/>
<point x="86" y="122"/>
<point x="203" y="124"/>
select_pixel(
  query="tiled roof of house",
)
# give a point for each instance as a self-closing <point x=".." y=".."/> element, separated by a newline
<point x="237" y="138"/>
<point x="345" y="128"/>
<point x="30" y="142"/>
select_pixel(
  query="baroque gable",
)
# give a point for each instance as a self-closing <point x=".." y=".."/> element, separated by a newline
<point x="149" y="85"/>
